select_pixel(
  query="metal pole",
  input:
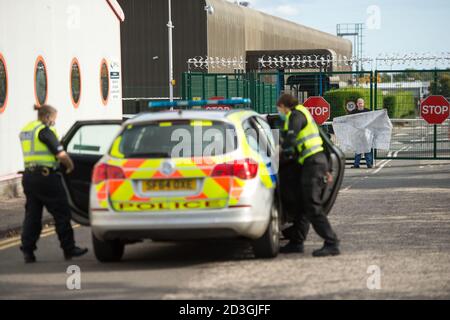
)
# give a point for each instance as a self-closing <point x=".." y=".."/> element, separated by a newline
<point x="170" y="27"/>
<point x="435" y="89"/>
<point x="372" y="108"/>
<point x="320" y="83"/>
<point x="435" y="141"/>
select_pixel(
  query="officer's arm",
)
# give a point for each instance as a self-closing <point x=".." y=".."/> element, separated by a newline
<point x="48" y="138"/>
<point x="64" y="158"/>
<point x="297" y="122"/>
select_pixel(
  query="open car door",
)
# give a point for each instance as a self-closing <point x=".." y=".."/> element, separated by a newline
<point x="335" y="157"/>
<point x="86" y="142"/>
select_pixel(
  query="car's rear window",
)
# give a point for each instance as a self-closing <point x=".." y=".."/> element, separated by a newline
<point x="178" y="139"/>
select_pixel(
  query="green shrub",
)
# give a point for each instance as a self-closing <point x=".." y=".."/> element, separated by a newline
<point x="338" y="99"/>
<point x="400" y="104"/>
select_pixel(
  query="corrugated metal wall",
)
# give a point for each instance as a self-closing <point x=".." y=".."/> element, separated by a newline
<point x="230" y="31"/>
<point x="233" y="30"/>
<point x="144" y="36"/>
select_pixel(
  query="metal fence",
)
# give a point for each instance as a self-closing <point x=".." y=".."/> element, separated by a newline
<point x="401" y="93"/>
<point x="338" y="88"/>
<point x="398" y="91"/>
<point x="201" y="86"/>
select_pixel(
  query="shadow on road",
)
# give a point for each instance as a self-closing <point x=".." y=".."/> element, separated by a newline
<point x="143" y="256"/>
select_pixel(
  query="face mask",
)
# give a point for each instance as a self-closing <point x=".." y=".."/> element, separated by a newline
<point x="282" y="115"/>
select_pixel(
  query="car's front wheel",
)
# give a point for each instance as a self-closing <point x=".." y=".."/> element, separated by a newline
<point x="109" y="250"/>
<point x="268" y="245"/>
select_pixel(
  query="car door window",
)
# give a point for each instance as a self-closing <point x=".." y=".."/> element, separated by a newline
<point x="256" y="138"/>
<point x="268" y="132"/>
<point x="93" y="139"/>
<point x="251" y="135"/>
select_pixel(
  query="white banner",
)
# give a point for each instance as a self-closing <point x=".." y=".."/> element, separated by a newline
<point x="363" y="131"/>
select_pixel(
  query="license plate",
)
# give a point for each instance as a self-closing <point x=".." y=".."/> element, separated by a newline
<point x="169" y="185"/>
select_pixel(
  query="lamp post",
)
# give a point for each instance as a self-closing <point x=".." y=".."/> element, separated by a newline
<point x="170" y="26"/>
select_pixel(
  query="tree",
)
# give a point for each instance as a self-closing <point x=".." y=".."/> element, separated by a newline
<point x="442" y="86"/>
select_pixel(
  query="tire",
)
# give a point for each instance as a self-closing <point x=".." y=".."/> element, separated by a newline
<point x="268" y="245"/>
<point x="108" y="251"/>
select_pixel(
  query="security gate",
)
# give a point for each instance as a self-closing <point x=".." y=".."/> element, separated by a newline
<point x="398" y="91"/>
<point x="401" y="92"/>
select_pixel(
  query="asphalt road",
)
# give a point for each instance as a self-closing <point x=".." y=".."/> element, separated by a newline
<point x="394" y="219"/>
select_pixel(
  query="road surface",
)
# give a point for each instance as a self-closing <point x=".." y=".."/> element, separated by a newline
<point x="393" y="221"/>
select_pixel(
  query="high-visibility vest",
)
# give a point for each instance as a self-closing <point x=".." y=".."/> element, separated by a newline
<point x="308" y="139"/>
<point x="36" y="153"/>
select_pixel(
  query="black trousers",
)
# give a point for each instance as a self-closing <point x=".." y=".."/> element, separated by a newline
<point x="310" y="211"/>
<point x="48" y="192"/>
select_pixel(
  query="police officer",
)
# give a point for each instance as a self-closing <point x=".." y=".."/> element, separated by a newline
<point x="43" y="186"/>
<point x="301" y="138"/>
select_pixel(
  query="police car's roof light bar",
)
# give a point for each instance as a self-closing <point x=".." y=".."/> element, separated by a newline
<point x="198" y="103"/>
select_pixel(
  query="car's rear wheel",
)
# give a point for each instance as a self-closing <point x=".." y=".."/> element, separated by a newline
<point x="268" y="245"/>
<point x="109" y="250"/>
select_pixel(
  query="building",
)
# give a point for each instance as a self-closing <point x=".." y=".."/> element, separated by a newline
<point x="230" y="31"/>
<point x="62" y="52"/>
<point x="420" y="89"/>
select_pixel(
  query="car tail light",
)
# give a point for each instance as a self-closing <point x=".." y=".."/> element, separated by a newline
<point x="243" y="169"/>
<point x="104" y="172"/>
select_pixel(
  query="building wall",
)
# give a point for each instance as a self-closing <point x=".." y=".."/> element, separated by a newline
<point x="229" y="32"/>
<point x="145" y="36"/>
<point x="233" y="30"/>
<point x="57" y="30"/>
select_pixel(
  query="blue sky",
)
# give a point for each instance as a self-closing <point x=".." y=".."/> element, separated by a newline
<point x="395" y="26"/>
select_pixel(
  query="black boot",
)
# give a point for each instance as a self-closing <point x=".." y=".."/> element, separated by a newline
<point x="75" y="252"/>
<point x="292" y="247"/>
<point x="327" y="250"/>
<point x="29" y="257"/>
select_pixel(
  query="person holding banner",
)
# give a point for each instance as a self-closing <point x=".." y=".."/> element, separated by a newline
<point x="360" y="108"/>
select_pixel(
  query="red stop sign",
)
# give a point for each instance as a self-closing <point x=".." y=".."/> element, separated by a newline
<point x="434" y="109"/>
<point x="319" y="108"/>
<point x="217" y="106"/>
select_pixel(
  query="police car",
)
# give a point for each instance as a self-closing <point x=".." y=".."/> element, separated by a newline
<point x="177" y="175"/>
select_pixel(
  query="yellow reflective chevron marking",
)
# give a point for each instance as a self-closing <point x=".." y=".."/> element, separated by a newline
<point x="201" y="123"/>
<point x="214" y="192"/>
<point x="182" y="205"/>
<point x="115" y="148"/>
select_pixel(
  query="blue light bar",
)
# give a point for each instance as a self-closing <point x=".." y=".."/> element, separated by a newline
<point x="199" y="103"/>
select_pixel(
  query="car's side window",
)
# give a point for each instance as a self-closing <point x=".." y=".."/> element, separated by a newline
<point x="256" y="137"/>
<point x="267" y="132"/>
<point x="93" y="139"/>
<point x="251" y="134"/>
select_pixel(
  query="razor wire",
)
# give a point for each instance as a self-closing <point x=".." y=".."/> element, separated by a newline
<point x="433" y="60"/>
<point x="207" y="63"/>
<point x="309" y="61"/>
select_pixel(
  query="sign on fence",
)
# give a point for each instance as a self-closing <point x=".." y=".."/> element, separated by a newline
<point x="217" y="106"/>
<point x="319" y="108"/>
<point x="434" y="109"/>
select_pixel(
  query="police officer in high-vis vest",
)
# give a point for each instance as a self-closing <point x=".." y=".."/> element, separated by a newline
<point x="301" y="138"/>
<point x="42" y="184"/>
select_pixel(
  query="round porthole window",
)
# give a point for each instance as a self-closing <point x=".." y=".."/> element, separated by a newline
<point x="3" y="84"/>
<point x="40" y="82"/>
<point x="75" y="83"/>
<point x="104" y="82"/>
